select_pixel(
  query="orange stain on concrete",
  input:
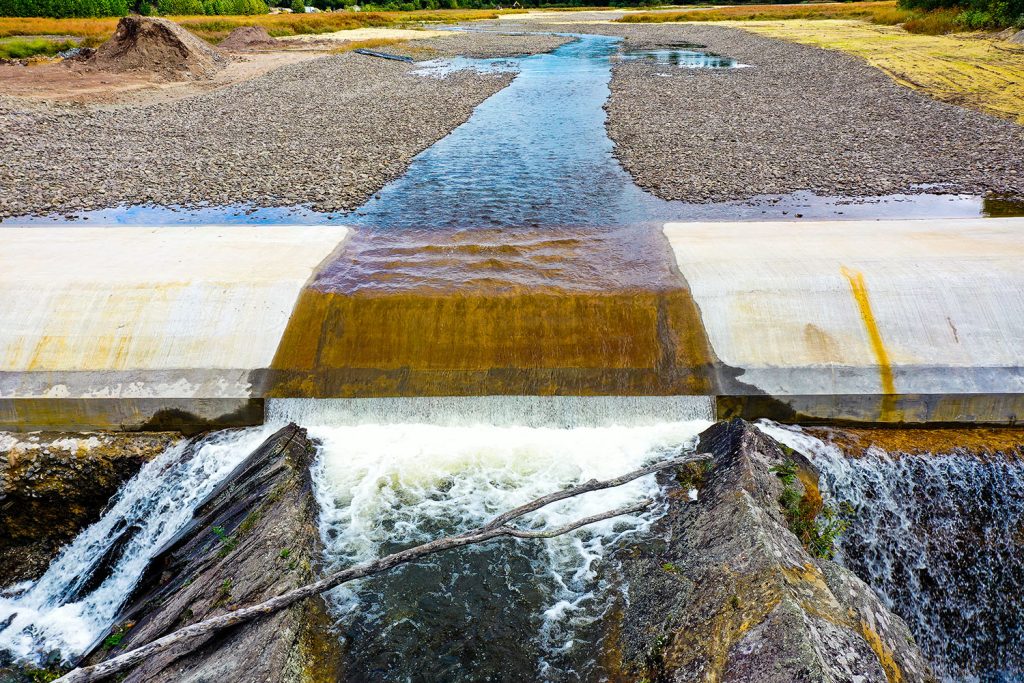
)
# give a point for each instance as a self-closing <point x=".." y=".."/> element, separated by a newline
<point x="859" y="288"/>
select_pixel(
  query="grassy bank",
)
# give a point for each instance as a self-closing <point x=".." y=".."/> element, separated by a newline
<point x="95" y="31"/>
<point x="968" y="69"/>
<point x="887" y="13"/>
<point x="22" y="48"/>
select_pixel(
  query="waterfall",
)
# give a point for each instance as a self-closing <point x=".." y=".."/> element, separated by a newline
<point x="396" y="472"/>
<point x="525" y="411"/>
<point x="941" y="539"/>
<point x="80" y="595"/>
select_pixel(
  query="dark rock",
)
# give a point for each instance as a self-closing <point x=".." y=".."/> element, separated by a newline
<point x="733" y="595"/>
<point x="255" y="537"/>
<point x="53" y="485"/>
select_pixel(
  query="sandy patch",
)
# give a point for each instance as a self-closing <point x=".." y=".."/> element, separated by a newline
<point x="68" y="82"/>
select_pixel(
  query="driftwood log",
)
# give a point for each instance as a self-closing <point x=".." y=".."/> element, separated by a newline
<point x="496" y="528"/>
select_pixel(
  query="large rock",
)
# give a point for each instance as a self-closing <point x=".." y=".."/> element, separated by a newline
<point x="731" y="594"/>
<point x="255" y="537"/>
<point x="54" y="484"/>
<point x="159" y="47"/>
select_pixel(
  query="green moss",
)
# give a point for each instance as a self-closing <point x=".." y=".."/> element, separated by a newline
<point x="818" y="531"/>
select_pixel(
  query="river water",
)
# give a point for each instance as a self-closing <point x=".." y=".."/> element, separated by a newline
<point x="535" y="156"/>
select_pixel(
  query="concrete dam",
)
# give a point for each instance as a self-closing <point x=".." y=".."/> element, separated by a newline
<point x="893" y="321"/>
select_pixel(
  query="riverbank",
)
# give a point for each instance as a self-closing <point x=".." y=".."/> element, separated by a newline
<point x="800" y="118"/>
<point x="264" y="142"/>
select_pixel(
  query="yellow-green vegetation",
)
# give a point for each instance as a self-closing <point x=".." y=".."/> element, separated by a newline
<point x="22" y="48"/>
<point x="969" y="69"/>
<point x="885" y="12"/>
<point x="95" y="31"/>
<point x="818" y="526"/>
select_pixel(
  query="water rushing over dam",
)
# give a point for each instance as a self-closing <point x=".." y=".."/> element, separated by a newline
<point x="937" y="535"/>
<point x="389" y="474"/>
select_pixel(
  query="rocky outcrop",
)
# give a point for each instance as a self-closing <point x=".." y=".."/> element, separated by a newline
<point x="730" y="593"/>
<point x="54" y="484"/>
<point x="159" y="47"/>
<point x="255" y="537"/>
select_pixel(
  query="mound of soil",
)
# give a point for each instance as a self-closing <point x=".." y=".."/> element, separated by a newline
<point x="159" y="47"/>
<point x="245" y="38"/>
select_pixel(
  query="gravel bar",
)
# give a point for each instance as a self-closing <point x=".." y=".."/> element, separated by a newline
<point x="801" y="118"/>
<point x="328" y="133"/>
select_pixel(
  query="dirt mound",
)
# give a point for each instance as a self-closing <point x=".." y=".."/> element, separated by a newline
<point x="159" y="47"/>
<point x="246" y="38"/>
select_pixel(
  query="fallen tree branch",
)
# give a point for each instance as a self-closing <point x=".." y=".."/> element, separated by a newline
<point x="496" y="528"/>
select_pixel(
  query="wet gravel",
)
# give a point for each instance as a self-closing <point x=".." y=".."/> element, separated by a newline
<point x="326" y="133"/>
<point x="802" y="118"/>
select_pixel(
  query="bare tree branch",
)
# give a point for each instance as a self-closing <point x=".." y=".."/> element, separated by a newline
<point x="496" y="528"/>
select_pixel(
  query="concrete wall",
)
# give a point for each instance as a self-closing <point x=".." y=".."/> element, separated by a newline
<point x="141" y="313"/>
<point x="121" y="327"/>
<point x="834" y="309"/>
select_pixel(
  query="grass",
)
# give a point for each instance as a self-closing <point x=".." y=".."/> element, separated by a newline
<point x="23" y="48"/>
<point x="95" y="31"/>
<point x="818" y="526"/>
<point x="968" y="69"/>
<point x="884" y="13"/>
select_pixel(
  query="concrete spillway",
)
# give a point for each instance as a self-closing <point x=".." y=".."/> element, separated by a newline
<point x="888" y="320"/>
<point x="873" y="321"/>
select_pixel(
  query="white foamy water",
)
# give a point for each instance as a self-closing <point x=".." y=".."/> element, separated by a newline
<point x="387" y="484"/>
<point x="938" y="539"/>
<point x="65" y="610"/>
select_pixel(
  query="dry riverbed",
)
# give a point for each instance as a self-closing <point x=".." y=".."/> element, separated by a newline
<point x="328" y="132"/>
<point x="801" y="118"/>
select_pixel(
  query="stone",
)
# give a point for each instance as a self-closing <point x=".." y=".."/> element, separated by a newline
<point x="255" y="537"/>
<point x="731" y="594"/>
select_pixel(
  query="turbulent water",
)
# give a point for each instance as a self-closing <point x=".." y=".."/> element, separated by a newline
<point x="939" y="538"/>
<point x="393" y="473"/>
<point x="80" y="594"/>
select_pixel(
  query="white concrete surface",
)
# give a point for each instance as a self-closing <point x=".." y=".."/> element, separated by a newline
<point x="169" y="311"/>
<point x="779" y="301"/>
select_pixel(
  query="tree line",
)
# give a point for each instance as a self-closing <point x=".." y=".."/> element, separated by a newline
<point x="61" y="9"/>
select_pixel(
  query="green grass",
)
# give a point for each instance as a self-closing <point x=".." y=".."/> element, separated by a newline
<point x="23" y="48"/>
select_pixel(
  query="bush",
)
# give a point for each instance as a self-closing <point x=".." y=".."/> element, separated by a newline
<point x="972" y="15"/>
<point x="298" y="6"/>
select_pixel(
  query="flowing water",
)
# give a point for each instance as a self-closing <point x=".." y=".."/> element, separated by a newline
<point x="940" y="538"/>
<point x="519" y="610"/>
<point x="393" y="473"/>
<point x="80" y="594"/>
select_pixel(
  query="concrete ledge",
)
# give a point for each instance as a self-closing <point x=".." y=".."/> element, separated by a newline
<point x="188" y="416"/>
<point x="174" y="312"/>
<point x="862" y="308"/>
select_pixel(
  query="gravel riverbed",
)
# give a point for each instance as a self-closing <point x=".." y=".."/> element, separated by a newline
<point x="328" y="133"/>
<point x="801" y="118"/>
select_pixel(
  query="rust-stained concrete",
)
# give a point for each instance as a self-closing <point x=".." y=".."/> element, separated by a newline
<point x="191" y="327"/>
